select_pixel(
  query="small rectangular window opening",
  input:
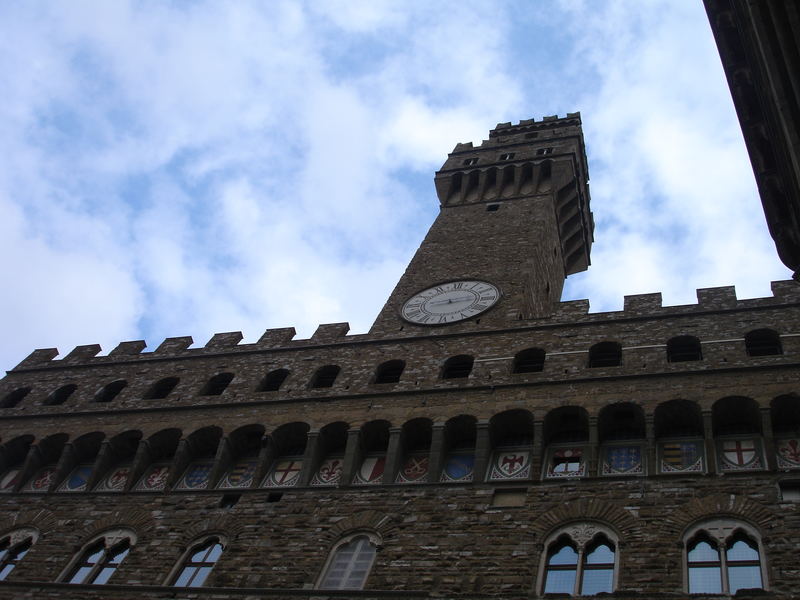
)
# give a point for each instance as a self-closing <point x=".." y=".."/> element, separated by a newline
<point x="503" y="498"/>
<point x="470" y="161"/>
<point x="507" y="156"/>
<point x="790" y="491"/>
<point x="532" y="135"/>
<point x="543" y="151"/>
<point x="229" y="500"/>
<point x="492" y="207"/>
<point x="274" y="497"/>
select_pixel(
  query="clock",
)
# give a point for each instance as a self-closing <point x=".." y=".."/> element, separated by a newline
<point x="450" y="302"/>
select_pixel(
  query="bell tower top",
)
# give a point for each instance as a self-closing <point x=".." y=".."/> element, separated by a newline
<point x="514" y="223"/>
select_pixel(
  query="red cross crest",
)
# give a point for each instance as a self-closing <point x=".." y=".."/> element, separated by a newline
<point x="739" y="452"/>
<point x="286" y="471"/>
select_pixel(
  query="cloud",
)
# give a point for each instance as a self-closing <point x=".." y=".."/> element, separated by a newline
<point x="182" y="169"/>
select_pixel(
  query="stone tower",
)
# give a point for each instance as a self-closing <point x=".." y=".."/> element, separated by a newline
<point x="515" y="214"/>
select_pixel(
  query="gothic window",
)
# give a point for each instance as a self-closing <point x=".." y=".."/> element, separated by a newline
<point x="580" y="560"/>
<point x="723" y="557"/>
<point x="61" y="395"/>
<point x="217" y="384"/>
<point x="273" y="380"/>
<point x="684" y="348"/>
<point x="605" y="354"/>
<point x="325" y="376"/>
<point x="161" y="388"/>
<point x="98" y="561"/>
<point x="11" y="399"/>
<point x="196" y="565"/>
<point x="390" y="371"/>
<point x="457" y="367"/>
<point x="108" y="392"/>
<point x="529" y="361"/>
<point x="763" y="342"/>
<point x="349" y="563"/>
<point x="13" y="549"/>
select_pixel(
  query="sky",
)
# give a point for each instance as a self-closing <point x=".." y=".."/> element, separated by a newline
<point x="186" y="168"/>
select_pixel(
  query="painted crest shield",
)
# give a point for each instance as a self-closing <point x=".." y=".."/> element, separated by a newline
<point x="788" y="454"/>
<point x="329" y="472"/>
<point x="739" y="453"/>
<point x="77" y="480"/>
<point x="241" y="474"/>
<point x="681" y="457"/>
<point x="510" y="464"/>
<point x="566" y="462"/>
<point x="115" y="480"/>
<point x="371" y="470"/>
<point x="623" y="460"/>
<point x="414" y="469"/>
<point x="196" y="475"/>
<point x="285" y="473"/>
<point x="155" y="478"/>
<point x="458" y="467"/>
<point x="41" y="481"/>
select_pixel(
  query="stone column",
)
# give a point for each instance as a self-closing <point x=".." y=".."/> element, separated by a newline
<point x="592" y="450"/>
<point x="266" y="456"/>
<point x="310" y="458"/>
<point x="222" y="462"/>
<point x="102" y="462"/>
<point x="708" y="436"/>
<point x="769" y="438"/>
<point x="482" y="449"/>
<point x="437" y="453"/>
<point x="33" y="462"/>
<point x="352" y="457"/>
<point x="66" y="462"/>
<point x="650" y="457"/>
<point x="394" y="454"/>
<point x="180" y="461"/>
<point x="141" y="461"/>
<point x="537" y="450"/>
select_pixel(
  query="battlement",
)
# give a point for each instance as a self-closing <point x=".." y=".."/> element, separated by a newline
<point x="573" y="312"/>
<point x="525" y="126"/>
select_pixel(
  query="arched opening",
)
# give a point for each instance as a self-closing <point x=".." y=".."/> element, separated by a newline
<point x="684" y="348"/>
<point x="61" y="395"/>
<point x="108" y="392"/>
<point x="13" y="459"/>
<point x="44" y="477"/>
<point x="530" y="360"/>
<point x="460" y="434"/>
<point x="161" y="451"/>
<point x="217" y="384"/>
<point x="390" y="371"/>
<point x="511" y="436"/>
<point x="374" y="443"/>
<point x="679" y="430"/>
<point x="85" y="450"/>
<point x="332" y="443"/>
<point x="416" y="442"/>
<point x="161" y="388"/>
<point x="290" y="446"/>
<point x="241" y="457"/>
<point x="605" y="354"/>
<point x="737" y="429"/>
<point x="117" y="467"/>
<point x="201" y="446"/>
<point x="273" y="380"/>
<point x="763" y="342"/>
<point x="13" y="398"/>
<point x="325" y="376"/>
<point x="566" y="431"/>
<point x="457" y="367"/>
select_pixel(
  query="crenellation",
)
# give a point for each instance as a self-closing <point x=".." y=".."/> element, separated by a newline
<point x="38" y="357"/>
<point x="717" y="297"/>
<point x="277" y="337"/>
<point x="220" y="341"/>
<point x="174" y="345"/>
<point x="643" y="303"/>
<point x="131" y="348"/>
<point x="787" y="290"/>
<point x="329" y="332"/>
<point x="82" y="353"/>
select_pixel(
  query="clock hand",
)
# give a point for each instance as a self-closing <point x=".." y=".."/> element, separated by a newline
<point x="451" y="300"/>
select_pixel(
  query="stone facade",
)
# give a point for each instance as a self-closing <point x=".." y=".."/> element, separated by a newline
<point x="717" y="377"/>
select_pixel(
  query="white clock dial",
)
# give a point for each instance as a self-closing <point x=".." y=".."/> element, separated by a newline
<point x="450" y="302"/>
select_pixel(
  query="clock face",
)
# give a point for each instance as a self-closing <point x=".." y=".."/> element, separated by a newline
<point x="450" y="302"/>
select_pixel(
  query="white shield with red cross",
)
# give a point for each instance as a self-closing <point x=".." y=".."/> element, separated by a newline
<point x="740" y="453"/>
<point x="285" y="473"/>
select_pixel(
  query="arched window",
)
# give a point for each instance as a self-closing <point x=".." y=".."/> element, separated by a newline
<point x="349" y="563"/>
<point x="605" y="354"/>
<point x="529" y="361"/>
<point x="109" y="392"/>
<point x="13" y="549"/>
<point x="325" y="376"/>
<point x="457" y="367"/>
<point x="390" y="371"/>
<point x="273" y="380"/>
<point x="580" y="560"/>
<point x="99" y="560"/>
<point x="161" y="388"/>
<point x="684" y="348"/>
<point x="722" y="557"/>
<point x="763" y="342"/>
<point x="11" y="399"/>
<point x="61" y="395"/>
<point x="196" y="565"/>
<point x="217" y="384"/>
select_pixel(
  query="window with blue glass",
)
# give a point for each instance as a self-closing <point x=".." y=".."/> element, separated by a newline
<point x="100" y="559"/>
<point x="723" y="557"/>
<point x="198" y="562"/>
<point x="13" y="548"/>
<point x="581" y="560"/>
